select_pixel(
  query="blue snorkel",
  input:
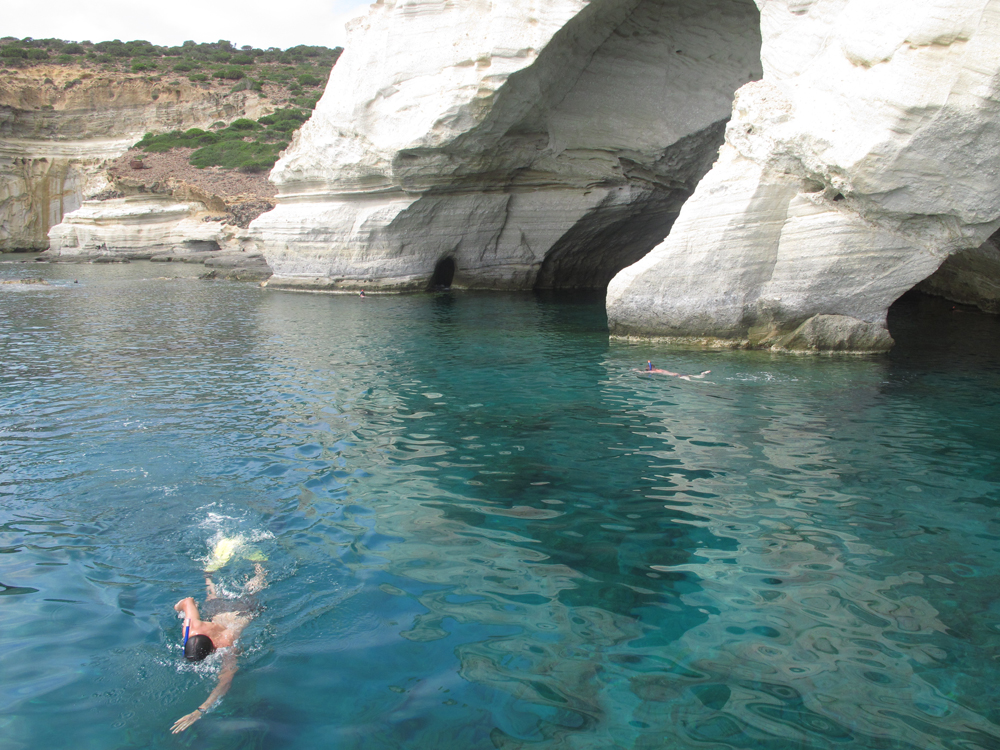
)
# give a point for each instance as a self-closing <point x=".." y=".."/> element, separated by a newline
<point x="187" y="629"/>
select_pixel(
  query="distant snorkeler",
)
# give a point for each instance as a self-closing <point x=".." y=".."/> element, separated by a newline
<point x="227" y="617"/>
<point x="657" y="370"/>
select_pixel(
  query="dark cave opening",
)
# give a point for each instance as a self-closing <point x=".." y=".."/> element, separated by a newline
<point x="590" y="254"/>
<point x="929" y="329"/>
<point x="444" y="274"/>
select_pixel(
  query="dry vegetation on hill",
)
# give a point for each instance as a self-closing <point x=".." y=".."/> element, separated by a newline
<point x="294" y="77"/>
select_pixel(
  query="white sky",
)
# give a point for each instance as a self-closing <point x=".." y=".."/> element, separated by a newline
<point x="259" y="23"/>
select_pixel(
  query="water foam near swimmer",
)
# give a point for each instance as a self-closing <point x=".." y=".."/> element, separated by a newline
<point x="240" y="547"/>
<point x="229" y="543"/>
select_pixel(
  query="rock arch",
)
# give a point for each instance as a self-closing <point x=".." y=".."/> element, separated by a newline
<point x="549" y="144"/>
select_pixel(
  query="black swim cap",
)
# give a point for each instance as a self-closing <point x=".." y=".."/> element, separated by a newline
<point x="198" y="647"/>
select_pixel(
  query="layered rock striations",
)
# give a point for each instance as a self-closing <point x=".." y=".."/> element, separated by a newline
<point x="866" y="157"/>
<point x="60" y="125"/>
<point x="535" y="144"/>
<point x="166" y="208"/>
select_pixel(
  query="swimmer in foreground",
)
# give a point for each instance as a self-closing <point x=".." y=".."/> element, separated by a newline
<point x="227" y="618"/>
<point x="650" y="368"/>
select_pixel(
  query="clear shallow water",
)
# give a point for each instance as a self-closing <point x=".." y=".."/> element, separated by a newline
<point x="485" y="528"/>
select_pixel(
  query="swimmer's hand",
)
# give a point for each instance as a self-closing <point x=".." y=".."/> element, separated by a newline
<point x="185" y="721"/>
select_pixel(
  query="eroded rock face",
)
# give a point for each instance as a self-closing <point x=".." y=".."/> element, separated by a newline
<point x="866" y="156"/>
<point x="535" y="144"/>
<point x="971" y="277"/>
<point x="42" y="181"/>
<point x="55" y="139"/>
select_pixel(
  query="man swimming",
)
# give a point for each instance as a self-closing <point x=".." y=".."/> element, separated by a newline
<point x="227" y="619"/>
<point x="650" y="368"/>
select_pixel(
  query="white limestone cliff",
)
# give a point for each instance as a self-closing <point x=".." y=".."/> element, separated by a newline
<point x="866" y="156"/>
<point x="518" y="144"/>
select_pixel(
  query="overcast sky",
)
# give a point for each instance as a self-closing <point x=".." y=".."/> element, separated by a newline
<point x="280" y="23"/>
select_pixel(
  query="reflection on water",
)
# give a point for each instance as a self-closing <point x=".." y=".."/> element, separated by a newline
<point x="485" y="527"/>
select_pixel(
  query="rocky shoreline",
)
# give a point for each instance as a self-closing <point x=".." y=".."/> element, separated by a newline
<point x="222" y="266"/>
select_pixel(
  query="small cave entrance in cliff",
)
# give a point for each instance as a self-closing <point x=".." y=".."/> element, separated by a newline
<point x="444" y="274"/>
<point x="957" y="305"/>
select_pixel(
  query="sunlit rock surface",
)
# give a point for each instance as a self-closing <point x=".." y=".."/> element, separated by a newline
<point x="867" y="155"/>
<point x="517" y="144"/>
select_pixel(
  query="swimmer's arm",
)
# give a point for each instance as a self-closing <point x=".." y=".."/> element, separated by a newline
<point x="188" y="608"/>
<point x="226" y="675"/>
<point x="225" y="681"/>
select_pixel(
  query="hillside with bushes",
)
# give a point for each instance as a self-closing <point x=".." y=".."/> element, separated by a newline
<point x="291" y="81"/>
<point x="292" y="77"/>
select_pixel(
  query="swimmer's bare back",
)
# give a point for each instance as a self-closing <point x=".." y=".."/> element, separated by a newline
<point x="658" y="371"/>
<point x="223" y="629"/>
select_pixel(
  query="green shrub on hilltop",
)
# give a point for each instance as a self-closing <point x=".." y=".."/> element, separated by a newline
<point x="238" y="154"/>
<point x="306" y="102"/>
<point x="244" y="144"/>
<point x="192" y="138"/>
<point x="11" y="52"/>
<point x="284" y="120"/>
<point x="307" y="79"/>
<point x="243" y="124"/>
<point x="302" y="58"/>
<point x="229" y="74"/>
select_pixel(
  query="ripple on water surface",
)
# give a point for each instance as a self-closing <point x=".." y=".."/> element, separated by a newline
<point x="485" y="527"/>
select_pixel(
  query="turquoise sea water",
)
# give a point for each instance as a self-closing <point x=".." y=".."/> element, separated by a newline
<point x="485" y="528"/>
